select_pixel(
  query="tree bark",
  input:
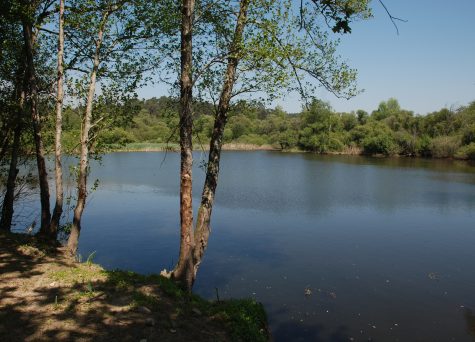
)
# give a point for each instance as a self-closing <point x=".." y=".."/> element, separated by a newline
<point x="202" y="229"/>
<point x="58" y="208"/>
<point x="36" y="120"/>
<point x="5" y="141"/>
<point x="7" y="208"/>
<point x="84" y="157"/>
<point x="183" y="271"/>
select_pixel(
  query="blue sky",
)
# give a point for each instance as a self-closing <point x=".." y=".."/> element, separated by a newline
<point x="429" y="65"/>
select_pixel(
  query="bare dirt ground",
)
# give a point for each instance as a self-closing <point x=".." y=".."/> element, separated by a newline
<point x="47" y="296"/>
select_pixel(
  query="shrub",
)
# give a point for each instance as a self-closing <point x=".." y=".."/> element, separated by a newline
<point x="239" y="125"/>
<point x="359" y="133"/>
<point x="285" y="139"/>
<point x="323" y="142"/>
<point x="116" y="136"/>
<point x="466" y="152"/>
<point x="70" y="140"/>
<point x="253" y="139"/>
<point x="423" y="146"/>
<point x="380" y="144"/>
<point x="228" y="135"/>
<point x="407" y="143"/>
<point x="444" y="146"/>
<point x="469" y="135"/>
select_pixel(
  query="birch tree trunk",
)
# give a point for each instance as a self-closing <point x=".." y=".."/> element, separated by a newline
<point x="58" y="208"/>
<point x="202" y="229"/>
<point x="36" y="120"/>
<point x="183" y="271"/>
<point x="84" y="157"/>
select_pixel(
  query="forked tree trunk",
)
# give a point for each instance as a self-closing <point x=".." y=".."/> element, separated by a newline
<point x="36" y="120"/>
<point x="84" y="157"/>
<point x="202" y="229"/>
<point x="183" y="271"/>
<point x="58" y="208"/>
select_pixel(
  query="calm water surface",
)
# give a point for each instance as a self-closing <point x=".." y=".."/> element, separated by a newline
<point x="386" y="246"/>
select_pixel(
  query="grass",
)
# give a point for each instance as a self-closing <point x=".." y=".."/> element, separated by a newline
<point x="146" y="146"/>
<point x="150" y="147"/>
<point x="245" y="319"/>
<point x="52" y="297"/>
<point x="31" y="249"/>
<point x="82" y="273"/>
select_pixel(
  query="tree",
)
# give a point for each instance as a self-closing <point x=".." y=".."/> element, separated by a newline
<point x="7" y="207"/>
<point x="259" y="49"/>
<point x="386" y="109"/>
<point x="25" y="54"/>
<point x="117" y="57"/>
<point x="362" y="116"/>
<point x="84" y="154"/>
<point x="33" y="14"/>
<point x="322" y="129"/>
<point x="12" y="73"/>
<point x="58" y="208"/>
<point x="184" y="269"/>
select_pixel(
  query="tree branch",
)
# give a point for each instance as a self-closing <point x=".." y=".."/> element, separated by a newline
<point x="393" y="18"/>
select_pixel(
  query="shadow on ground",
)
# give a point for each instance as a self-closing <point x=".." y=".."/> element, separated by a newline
<point x="47" y="296"/>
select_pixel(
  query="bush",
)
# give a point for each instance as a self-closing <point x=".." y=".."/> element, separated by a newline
<point x="466" y="152"/>
<point x="322" y="142"/>
<point x="407" y="143"/>
<point x="285" y="139"/>
<point x="468" y="135"/>
<point x="444" y="146"/>
<point x="116" y="136"/>
<point x="153" y="132"/>
<point x="359" y="133"/>
<point x="228" y="135"/>
<point x="70" y="140"/>
<point x="380" y="144"/>
<point x="240" y="125"/>
<point x="423" y="146"/>
<point x="253" y="139"/>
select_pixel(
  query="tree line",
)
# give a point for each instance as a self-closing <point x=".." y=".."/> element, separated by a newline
<point x="388" y="130"/>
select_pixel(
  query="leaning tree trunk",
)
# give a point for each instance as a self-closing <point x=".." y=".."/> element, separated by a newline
<point x="36" y="120"/>
<point x="58" y="208"/>
<point x="18" y="124"/>
<point x="7" y="208"/>
<point x="183" y="271"/>
<point x="84" y="157"/>
<point x="202" y="229"/>
<point x="4" y="143"/>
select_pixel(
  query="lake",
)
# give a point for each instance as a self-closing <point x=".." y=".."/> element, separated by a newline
<point x="337" y="248"/>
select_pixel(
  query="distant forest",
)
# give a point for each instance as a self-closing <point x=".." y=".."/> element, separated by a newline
<point x="388" y="130"/>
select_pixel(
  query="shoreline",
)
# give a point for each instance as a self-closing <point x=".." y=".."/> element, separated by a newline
<point x="176" y="148"/>
<point x="52" y="297"/>
<point x="252" y="147"/>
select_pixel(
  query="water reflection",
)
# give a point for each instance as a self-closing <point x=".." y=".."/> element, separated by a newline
<point x="438" y="165"/>
<point x="362" y="233"/>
